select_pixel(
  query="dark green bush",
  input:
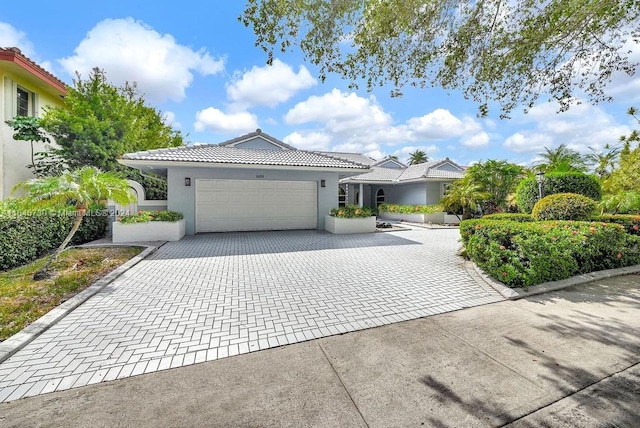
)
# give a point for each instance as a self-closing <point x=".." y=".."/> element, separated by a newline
<point x="630" y="222"/>
<point x="524" y="254"/>
<point x="509" y="216"/>
<point x="557" y="182"/>
<point x="27" y="235"/>
<point x="564" y="206"/>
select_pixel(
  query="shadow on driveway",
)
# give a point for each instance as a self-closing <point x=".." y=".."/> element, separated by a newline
<point x="272" y="242"/>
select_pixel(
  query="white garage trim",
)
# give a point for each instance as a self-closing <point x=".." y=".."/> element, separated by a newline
<point x="244" y="205"/>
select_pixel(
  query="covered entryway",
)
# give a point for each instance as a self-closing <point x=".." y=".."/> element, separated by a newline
<point x="246" y="205"/>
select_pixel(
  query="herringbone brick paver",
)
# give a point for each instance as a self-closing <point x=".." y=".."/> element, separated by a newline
<point x="217" y="295"/>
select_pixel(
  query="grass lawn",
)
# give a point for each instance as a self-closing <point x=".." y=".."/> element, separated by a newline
<point x="23" y="300"/>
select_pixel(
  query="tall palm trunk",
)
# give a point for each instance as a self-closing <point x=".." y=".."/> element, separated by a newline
<point x="43" y="273"/>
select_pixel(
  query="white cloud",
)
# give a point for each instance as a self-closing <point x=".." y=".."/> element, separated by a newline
<point x="12" y="37"/>
<point x="340" y="113"/>
<point x="476" y="141"/>
<point x="308" y="140"/>
<point x="441" y="124"/>
<point x="169" y="118"/>
<point x="212" y="119"/>
<point x="527" y="142"/>
<point x="269" y="85"/>
<point x="580" y="127"/>
<point x="130" y="50"/>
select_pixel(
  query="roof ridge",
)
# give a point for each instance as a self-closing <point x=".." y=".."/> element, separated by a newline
<point x="329" y="155"/>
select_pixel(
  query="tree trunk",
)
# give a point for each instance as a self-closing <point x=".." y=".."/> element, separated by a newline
<point x="43" y="273"/>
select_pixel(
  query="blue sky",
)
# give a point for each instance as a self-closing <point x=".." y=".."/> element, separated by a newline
<point x="198" y="65"/>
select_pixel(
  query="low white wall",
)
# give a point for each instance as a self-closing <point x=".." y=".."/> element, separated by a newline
<point x="438" y="217"/>
<point x="149" y="231"/>
<point x="338" y="225"/>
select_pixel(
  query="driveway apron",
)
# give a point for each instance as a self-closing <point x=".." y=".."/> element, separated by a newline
<point x="217" y="295"/>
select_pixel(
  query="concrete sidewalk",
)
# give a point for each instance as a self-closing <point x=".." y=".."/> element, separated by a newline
<point x="566" y="358"/>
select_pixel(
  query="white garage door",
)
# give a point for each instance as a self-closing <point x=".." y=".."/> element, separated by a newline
<point x="237" y="205"/>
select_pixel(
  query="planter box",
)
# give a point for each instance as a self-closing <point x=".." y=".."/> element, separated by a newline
<point x="350" y="225"/>
<point x="451" y="219"/>
<point x="149" y="231"/>
<point x="438" y="217"/>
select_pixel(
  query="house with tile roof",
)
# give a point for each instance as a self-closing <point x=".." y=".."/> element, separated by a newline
<point x="393" y="182"/>
<point x="257" y="182"/>
<point x="26" y="89"/>
<point x="253" y="182"/>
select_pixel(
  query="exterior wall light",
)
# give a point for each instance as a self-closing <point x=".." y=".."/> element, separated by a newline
<point x="187" y="181"/>
<point x="323" y="183"/>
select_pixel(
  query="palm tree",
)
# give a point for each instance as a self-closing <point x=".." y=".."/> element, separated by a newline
<point x="78" y="188"/>
<point x="561" y="159"/>
<point x="464" y="193"/>
<point x="417" y="157"/>
<point x="603" y="162"/>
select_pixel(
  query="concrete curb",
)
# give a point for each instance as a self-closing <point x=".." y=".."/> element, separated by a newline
<point x="21" y="339"/>
<point x="545" y="287"/>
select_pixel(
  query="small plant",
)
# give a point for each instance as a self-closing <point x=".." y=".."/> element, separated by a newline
<point x="351" y="211"/>
<point x="147" y="216"/>
<point x="564" y="206"/>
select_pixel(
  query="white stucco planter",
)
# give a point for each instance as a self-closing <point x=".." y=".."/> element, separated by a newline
<point x="149" y="231"/>
<point x="451" y="219"/>
<point x="438" y="217"/>
<point x="339" y="225"/>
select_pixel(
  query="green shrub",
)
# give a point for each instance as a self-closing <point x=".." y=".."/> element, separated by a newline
<point x="631" y="223"/>
<point x="410" y="209"/>
<point x="351" y="211"/>
<point x="557" y="182"/>
<point x="26" y="235"/>
<point x="523" y="254"/>
<point x="564" y="206"/>
<point x="93" y="226"/>
<point x="509" y="216"/>
<point x="146" y="216"/>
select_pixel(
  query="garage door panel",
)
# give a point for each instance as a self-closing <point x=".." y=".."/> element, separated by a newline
<point x="243" y="205"/>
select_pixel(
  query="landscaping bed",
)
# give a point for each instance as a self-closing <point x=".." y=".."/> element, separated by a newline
<point x="521" y="254"/>
<point x="23" y="300"/>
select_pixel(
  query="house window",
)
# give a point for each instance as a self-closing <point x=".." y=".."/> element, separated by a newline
<point x="357" y="198"/>
<point x="342" y="197"/>
<point x="445" y="188"/>
<point x="23" y="103"/>
<point x="379" y="197"/>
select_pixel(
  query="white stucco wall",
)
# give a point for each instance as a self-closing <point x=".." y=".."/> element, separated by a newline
<point x="182" y="198"/>
<point x="16" y="155"/>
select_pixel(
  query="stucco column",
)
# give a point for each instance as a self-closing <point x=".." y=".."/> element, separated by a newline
<point x="361" y="197"/>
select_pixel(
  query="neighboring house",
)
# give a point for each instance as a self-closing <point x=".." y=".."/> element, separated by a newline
<point x="253" y="182"/>
<point x="393" y="182"/>
<point x="25" y="89"/>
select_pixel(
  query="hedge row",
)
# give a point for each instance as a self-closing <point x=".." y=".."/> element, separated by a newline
<point x="630" y="222"/>
<point x="24" y="238"/>
<point x="409" y="209"/>
<point x="523" y="254"/>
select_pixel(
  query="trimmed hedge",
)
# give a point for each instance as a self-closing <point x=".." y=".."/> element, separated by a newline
<point x="630" y="222"/>
<point x="25" y="237"/>
<point x="557" y="182"/>
<point x="523" y="254"/>
<point x="564" y="206"/>
<point x="509" y="216"/>
<point x="409" y="209"/>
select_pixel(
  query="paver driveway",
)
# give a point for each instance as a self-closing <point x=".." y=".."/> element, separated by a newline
<point x="216" y="295"/>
